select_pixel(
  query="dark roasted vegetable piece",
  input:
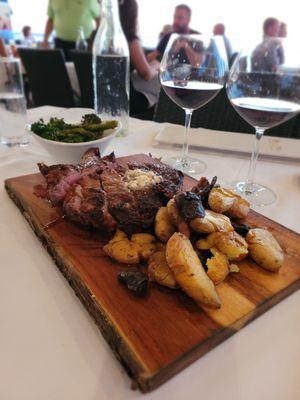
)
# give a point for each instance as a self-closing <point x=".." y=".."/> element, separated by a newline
<point x="135" y="281"/>
<point x="241" y="229"/>
<point x="189" y="206"/>
<point x="203" y="188"/>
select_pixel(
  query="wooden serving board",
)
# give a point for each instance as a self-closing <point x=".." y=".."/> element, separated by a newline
<point x="155" y="337"/>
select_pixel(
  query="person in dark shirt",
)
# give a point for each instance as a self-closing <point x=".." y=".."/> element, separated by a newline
<point x="181" y="21"/>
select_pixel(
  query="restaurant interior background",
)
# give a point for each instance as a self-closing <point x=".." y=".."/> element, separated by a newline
<point x="243" y="20"/>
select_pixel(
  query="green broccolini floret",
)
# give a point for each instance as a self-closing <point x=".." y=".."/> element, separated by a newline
<point x="88" y="119"/>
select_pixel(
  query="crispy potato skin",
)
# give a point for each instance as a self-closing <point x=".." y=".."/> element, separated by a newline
<point x="146" y="244"/>
<point x="212" y="222"/>
<point x="231" y="244"/>
<point x="164" y="228"/>
<point x="176" y="219"/>
<point x="240" y="209"/>
<point x="121" y="249"/>
<point x="221" y="200"/>
<point x="189" y="273"/>
<point x="159" y="270"/>
<point x="227" y="202"/>
<point x="218" y="267"/>
<point x="173" y="212"/>
<point x="264" y="249"/>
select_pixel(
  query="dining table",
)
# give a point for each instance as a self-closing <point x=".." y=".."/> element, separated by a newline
<point x="50" y="347"/>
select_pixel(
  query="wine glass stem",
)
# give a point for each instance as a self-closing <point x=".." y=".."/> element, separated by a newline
<point x="186" y="141"/>
<point x="255" y="152"/>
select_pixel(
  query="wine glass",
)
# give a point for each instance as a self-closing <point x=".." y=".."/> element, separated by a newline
<point x="192" y="72"/>
<point x="264" y="88"/>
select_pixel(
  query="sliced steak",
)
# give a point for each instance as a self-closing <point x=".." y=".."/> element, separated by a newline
<point x="60" y="178"/>
<point x="86" y="204"/>
<point x="122" y="204"/>
<point x="99" y="193"/>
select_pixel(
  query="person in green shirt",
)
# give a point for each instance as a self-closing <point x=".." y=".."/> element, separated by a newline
<point x="66" y="17"/>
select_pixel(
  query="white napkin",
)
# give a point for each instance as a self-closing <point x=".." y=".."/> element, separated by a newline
<point x="206" y="139"/>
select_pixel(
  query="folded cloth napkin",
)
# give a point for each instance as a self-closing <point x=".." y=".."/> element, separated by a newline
<point x="206" y="139"/>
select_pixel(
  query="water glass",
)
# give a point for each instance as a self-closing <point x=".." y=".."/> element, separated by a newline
<point x="13" y="115"/>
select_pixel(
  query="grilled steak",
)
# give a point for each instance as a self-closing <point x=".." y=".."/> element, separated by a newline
<point x="99" y="193"/>
<point x="122" y="203"/>
<point x="86" y="204"/>
<point x="60" y="179"/>
<point x="172" y="179"/>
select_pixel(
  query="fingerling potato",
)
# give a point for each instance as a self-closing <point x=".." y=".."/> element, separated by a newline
<point x="159" y="270"/>
<point x="212" y="222"/>
<point x="121" y="249"/>
<point x="164" y="227"/>
<point x="227" y="202"/>
<point x="218" y="266"/>
<point x="146" y="244"/>
<point x="264" y="249"/>
<point x="189" y="272"/>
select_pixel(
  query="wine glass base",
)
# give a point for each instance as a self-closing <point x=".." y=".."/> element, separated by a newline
<point x="188" y="165"/>
<point x="257" y="195"/>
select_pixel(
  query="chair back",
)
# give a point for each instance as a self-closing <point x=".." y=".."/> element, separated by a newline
<point x="48" y="78"/>
<point x="83" y="62"/>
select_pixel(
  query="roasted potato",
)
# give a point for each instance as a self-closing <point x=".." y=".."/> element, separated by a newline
<point x="159" y="270"/>
<point x="189" y="273"/>
<point x="227" y="202"/>
<point x="218" y="266"/>
<point x="176" y="219"/>
<point x="221" y="200"/>
<point x="173" y="212"/>
<point x="146" y="244"/>
<point x="208" y="242"/>
<point x="264" y="249"/>
<point x="240" y="209"/>
<point x="212" y="222"/>
<point x="121" y="249"/>
<point x="164" y="227"/>
<point x="231" y="244"/>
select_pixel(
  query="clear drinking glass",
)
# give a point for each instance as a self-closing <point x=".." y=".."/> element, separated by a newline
<point x="264" y="88"/>
<point x="192" y="72"/>
<point x="13" y="115"/>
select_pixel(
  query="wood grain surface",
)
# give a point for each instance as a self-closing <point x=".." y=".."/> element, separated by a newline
<point x="156" y="337"/>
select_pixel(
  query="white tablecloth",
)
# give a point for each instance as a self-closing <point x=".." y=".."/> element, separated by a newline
<point x="50" y="348"/>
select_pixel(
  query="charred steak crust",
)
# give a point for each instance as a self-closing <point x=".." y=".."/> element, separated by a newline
<point x="86" y="204"/>
<point x="123" y="205"/>
<point x="95" y="193"/>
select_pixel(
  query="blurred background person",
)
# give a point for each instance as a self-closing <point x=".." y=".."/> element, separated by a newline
<point x="66" y="18"/>
<point x="27" y="37"/>
<point x="219" y="30"/>
<point x="271" y="28"/>
<point x="181" y="22"/>
<point x="282" y="30"/>
<point x="268" y="55"/>
<point x="166" y="29"/>
<point x="6" y="33"/>
<point x="148" y="83"/>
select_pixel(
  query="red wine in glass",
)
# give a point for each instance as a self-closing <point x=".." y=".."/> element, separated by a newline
<point x="191" y="94"/>
<point x="264" y="112"/>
